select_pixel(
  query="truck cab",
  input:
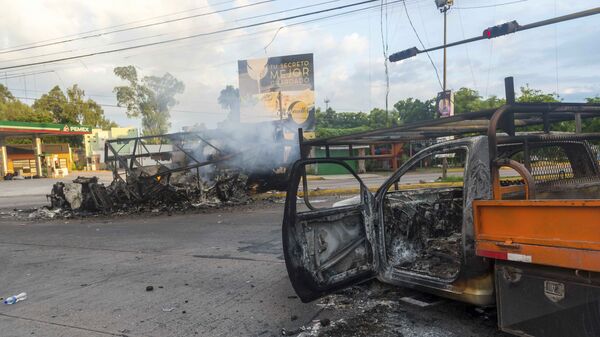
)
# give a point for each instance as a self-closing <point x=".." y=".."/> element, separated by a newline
<point x="429" y="234"/>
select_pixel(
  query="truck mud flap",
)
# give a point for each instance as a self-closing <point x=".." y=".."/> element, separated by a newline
<point x="545" y="301"/>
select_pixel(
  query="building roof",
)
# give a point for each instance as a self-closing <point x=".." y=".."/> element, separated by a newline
<point x="20" y="129"/>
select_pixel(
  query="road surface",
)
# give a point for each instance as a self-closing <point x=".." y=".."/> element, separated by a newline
<point x="218" y="273"/>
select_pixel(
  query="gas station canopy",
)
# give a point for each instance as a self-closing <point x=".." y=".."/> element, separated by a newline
<point x="36" y="131"/>
<point x="23" y="129"/>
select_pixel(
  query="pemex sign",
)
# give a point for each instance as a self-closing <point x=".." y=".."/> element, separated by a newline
<point x="16" y="128"/>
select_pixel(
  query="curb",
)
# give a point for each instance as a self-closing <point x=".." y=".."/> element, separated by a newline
<point x="338" y="191"/>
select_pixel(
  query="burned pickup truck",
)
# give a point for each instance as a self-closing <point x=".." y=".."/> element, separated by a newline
<point x="517" y="226"/>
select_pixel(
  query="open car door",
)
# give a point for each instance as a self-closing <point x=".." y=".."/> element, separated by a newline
<point x="329" y="248"/>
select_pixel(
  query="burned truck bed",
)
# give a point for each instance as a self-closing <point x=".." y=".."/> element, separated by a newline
<point x="423" y="231"/>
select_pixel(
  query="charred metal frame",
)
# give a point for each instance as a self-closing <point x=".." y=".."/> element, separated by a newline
<point x="135" y="169"/>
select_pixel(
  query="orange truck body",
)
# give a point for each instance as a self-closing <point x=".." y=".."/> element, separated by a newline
<point x="561" y="233"/>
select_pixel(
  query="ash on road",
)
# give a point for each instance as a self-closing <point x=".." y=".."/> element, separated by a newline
<point x="219" y="273"/>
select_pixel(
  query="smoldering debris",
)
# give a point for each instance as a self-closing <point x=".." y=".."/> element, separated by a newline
<point x="424" y="231"/>
<point x="86" y="196"/>
<point x="180" y="171"/>
<point x="373" y="309"/>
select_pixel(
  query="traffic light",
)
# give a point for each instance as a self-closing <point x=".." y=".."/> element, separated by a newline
<point x="443" y="3"/>
<point x="401" y="55"/>
<point x="499" y="30"/>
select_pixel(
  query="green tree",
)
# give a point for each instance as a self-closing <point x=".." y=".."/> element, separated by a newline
<point x="229" y="99"/>
<point x="11" y="109"/>
<point x="341" y="120"/>
<point x="86" y="111"/>
<point x="530" y="95"/>
<point x="378" y="118"/>
<point x="466" y="100"/>
<point x="592" y="124"/>
<point x="18" y="111"/>
<point x="414" y="110"/>
<point x="469" y="100"/>
<point x="54" y="102"/>
<point x="150" y="98"/>
<point x="5" y="95"/>
<point x="593" y="100"/>
<point x="325" y="119"/>
<point x="72" y="108"/>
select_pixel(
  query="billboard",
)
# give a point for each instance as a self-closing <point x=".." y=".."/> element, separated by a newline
<point x="278" y="88"/>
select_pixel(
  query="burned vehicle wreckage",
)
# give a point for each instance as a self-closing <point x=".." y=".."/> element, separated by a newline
<point x="180" y="171"/>
<point x="421" y="234"/>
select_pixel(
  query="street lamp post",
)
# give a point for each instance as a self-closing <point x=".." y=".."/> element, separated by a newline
<point x="444" y="6"/>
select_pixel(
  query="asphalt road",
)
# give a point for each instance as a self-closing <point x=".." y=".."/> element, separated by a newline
<point x="219" y="273"/>
<point x="32" y="192"/>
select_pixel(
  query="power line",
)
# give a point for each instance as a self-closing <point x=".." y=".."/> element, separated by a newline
<point x="147" y="37"/>
<point x="187" y="37"/>
<point x="384" y="47"/>
<point x="344" y="13"/>
<point x="232" y="39"/>
<point x="387" y="4"/>
<point x="556" y="50"/>
<point x="122" y="107"/>
<point x="135" y="27"/>
<point x="27" y="74"/>
<point x="462" y="29"/>
<point x="492" y="5"/>
<point x="89" y="94"/>
<point x="120" y="25"/>
<point x="437" y="74"/>
<point x="245" y="35"/>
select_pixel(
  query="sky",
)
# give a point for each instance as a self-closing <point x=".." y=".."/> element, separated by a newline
<point x="348" y="48"/>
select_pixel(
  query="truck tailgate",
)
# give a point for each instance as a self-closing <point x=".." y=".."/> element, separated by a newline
<point x="561" y="233"/>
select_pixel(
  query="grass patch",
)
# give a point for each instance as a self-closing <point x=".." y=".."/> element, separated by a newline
<point x="451" y="179"/>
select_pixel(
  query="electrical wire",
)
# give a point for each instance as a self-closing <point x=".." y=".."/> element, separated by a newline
<point x="556" y="50"/>
<point x="27" y="74"/>
<point x="110" y="51"/>
<point x="243" y="35"/>
<point x="492" y="5"/>
<point x="158" y="35"/>
<point x="137" y="27"/>
<point x="310" y="21"/>
<point x="385" y="48"/>
<point x="122" y="107"/>
<point x="437" y="74"/>
<point x="120" y="25"/>
<point x="462" y="29"/>
<point x="490" y="61"/>
<point x="282" y="11"/>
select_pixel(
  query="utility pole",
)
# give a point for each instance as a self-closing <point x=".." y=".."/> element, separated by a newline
<point x="444" y="6"/>
<point x="444" y="82"/>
